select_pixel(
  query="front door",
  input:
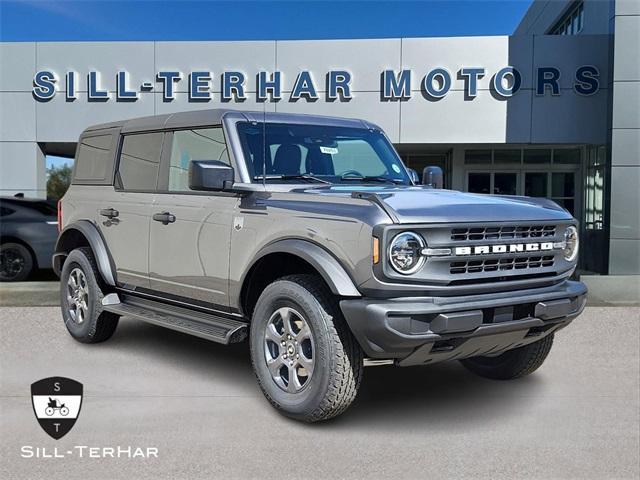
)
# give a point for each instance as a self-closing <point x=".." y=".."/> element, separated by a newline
<point x="190" y="231"/>
<point x="123" y="219"/>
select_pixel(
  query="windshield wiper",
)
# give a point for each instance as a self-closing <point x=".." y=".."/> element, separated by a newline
<point x="302" y="176"/>
<point x="372" y="179"/>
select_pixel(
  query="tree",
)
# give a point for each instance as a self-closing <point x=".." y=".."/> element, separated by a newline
<point x="58" y="180"/>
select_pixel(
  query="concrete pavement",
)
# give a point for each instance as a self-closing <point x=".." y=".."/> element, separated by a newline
<point x="198" y="403"/>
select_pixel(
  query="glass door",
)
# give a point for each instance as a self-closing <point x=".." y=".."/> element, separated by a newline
<point x="558" y="186"/>
<point x="498" y="183"/>
<point x="595" y="226"/>
<point x="420" y="160"/>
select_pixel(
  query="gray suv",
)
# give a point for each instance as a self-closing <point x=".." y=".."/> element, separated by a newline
<point x="308" y="236"/>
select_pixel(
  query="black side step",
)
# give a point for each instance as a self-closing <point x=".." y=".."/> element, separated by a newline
<point x="205" y="325"/>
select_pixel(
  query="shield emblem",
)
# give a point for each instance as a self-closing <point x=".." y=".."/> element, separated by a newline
<point x="56" y="404"/>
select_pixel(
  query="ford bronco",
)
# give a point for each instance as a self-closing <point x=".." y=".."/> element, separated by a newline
<point x="309" y="237"/>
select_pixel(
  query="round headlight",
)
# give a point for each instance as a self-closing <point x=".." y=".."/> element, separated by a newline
<point x="571" y="243"/>
<point x="405" y="252"/>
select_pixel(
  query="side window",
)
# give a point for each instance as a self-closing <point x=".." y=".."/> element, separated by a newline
<point x="94" y="160"/>
<point x="197" y="144"/>
<point x="140" y="161"/>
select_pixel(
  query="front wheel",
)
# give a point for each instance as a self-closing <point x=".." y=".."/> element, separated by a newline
<point x="512" y="364"/>
<point x="308" y="364"/>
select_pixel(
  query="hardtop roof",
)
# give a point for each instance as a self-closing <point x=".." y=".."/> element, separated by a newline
<point x="199" y="118"/>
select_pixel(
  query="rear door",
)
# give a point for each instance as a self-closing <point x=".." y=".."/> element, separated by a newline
<point x="190" y="231"/>
<point x="124" y="216"/>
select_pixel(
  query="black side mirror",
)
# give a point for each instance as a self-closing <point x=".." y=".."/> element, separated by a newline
<point x="414" y="176"/>
<point x="432" y="177"/>
<point x="212" y="175"/>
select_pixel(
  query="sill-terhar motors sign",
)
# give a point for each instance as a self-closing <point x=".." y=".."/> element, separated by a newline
<point x="337" y="84"/>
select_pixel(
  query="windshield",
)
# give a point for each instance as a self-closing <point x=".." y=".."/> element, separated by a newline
<point x="319" y="153"/>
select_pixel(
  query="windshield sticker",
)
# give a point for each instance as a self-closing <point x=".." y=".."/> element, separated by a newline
<point x="396" y="168"/>
<point x="329" y="150"/>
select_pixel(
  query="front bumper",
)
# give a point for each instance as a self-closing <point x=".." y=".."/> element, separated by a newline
<point x="419" y="330"/>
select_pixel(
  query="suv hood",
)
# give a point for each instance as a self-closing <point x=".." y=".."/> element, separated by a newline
<point x="423" y="204"/>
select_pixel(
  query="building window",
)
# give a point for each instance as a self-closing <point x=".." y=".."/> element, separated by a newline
<point x="571" y="22"/>
<point x="475" y="157"/>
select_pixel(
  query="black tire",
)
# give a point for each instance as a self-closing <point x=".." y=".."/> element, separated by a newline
<point x="16" y="262"/>
<point x="97" y="325"/>
<point x="515" y="363"/>
<point x="338" y="358"/>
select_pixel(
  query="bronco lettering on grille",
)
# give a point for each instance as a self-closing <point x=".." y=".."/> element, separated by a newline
<point x="513" y="248"/>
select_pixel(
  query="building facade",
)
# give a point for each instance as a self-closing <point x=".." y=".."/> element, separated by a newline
<point x="550" y="111"/>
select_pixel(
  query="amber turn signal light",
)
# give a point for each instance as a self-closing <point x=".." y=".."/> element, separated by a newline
<point x="376" y="250"/>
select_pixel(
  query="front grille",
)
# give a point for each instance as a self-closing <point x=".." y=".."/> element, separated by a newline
<point x="496" y="264"/>
<point x="502" y="232"/>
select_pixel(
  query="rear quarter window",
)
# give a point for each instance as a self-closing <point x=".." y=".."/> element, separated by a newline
<point x="94" y="160"/>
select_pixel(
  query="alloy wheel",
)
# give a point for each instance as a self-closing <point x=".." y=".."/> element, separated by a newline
<point x="289" y="350"/>
<point x="11" y="263"/>
<point x="78" y="296"/>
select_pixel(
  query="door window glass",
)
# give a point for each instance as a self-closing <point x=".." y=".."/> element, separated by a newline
<point x="140" y="161"/>
<point x="189" y="145"/>
<point x="505" y="183"/>
<point x="479" y="182"/>
<point x="562" y="184"/>
<point x="535" y="184"/>
<point x="563" y="187"/>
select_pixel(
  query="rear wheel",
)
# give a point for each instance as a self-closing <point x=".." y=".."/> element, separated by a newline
<point x="306" y="360"/>
<point x="81" y="294"/>
<point x="515" y="363"/>
<point x="16" y="262"/>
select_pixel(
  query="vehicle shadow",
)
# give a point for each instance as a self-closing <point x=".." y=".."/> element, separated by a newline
<point x="199" y="359"/>
<point x="440" y="396"/>
<point x="443" y="396"/>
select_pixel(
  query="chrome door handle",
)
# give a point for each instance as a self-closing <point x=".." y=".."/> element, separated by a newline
<point x="165" y="218"/>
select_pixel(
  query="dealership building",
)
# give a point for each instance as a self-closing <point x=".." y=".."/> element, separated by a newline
<point x="550" y="111"/>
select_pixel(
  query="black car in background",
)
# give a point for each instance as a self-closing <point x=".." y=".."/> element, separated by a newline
<point x="28" y="233"/>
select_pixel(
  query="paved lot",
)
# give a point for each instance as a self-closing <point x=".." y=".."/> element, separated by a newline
<point x="577" y="417"/>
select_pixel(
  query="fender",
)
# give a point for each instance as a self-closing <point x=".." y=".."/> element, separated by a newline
<point x="97" y="244"/>
<point x="326" y="264"/>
